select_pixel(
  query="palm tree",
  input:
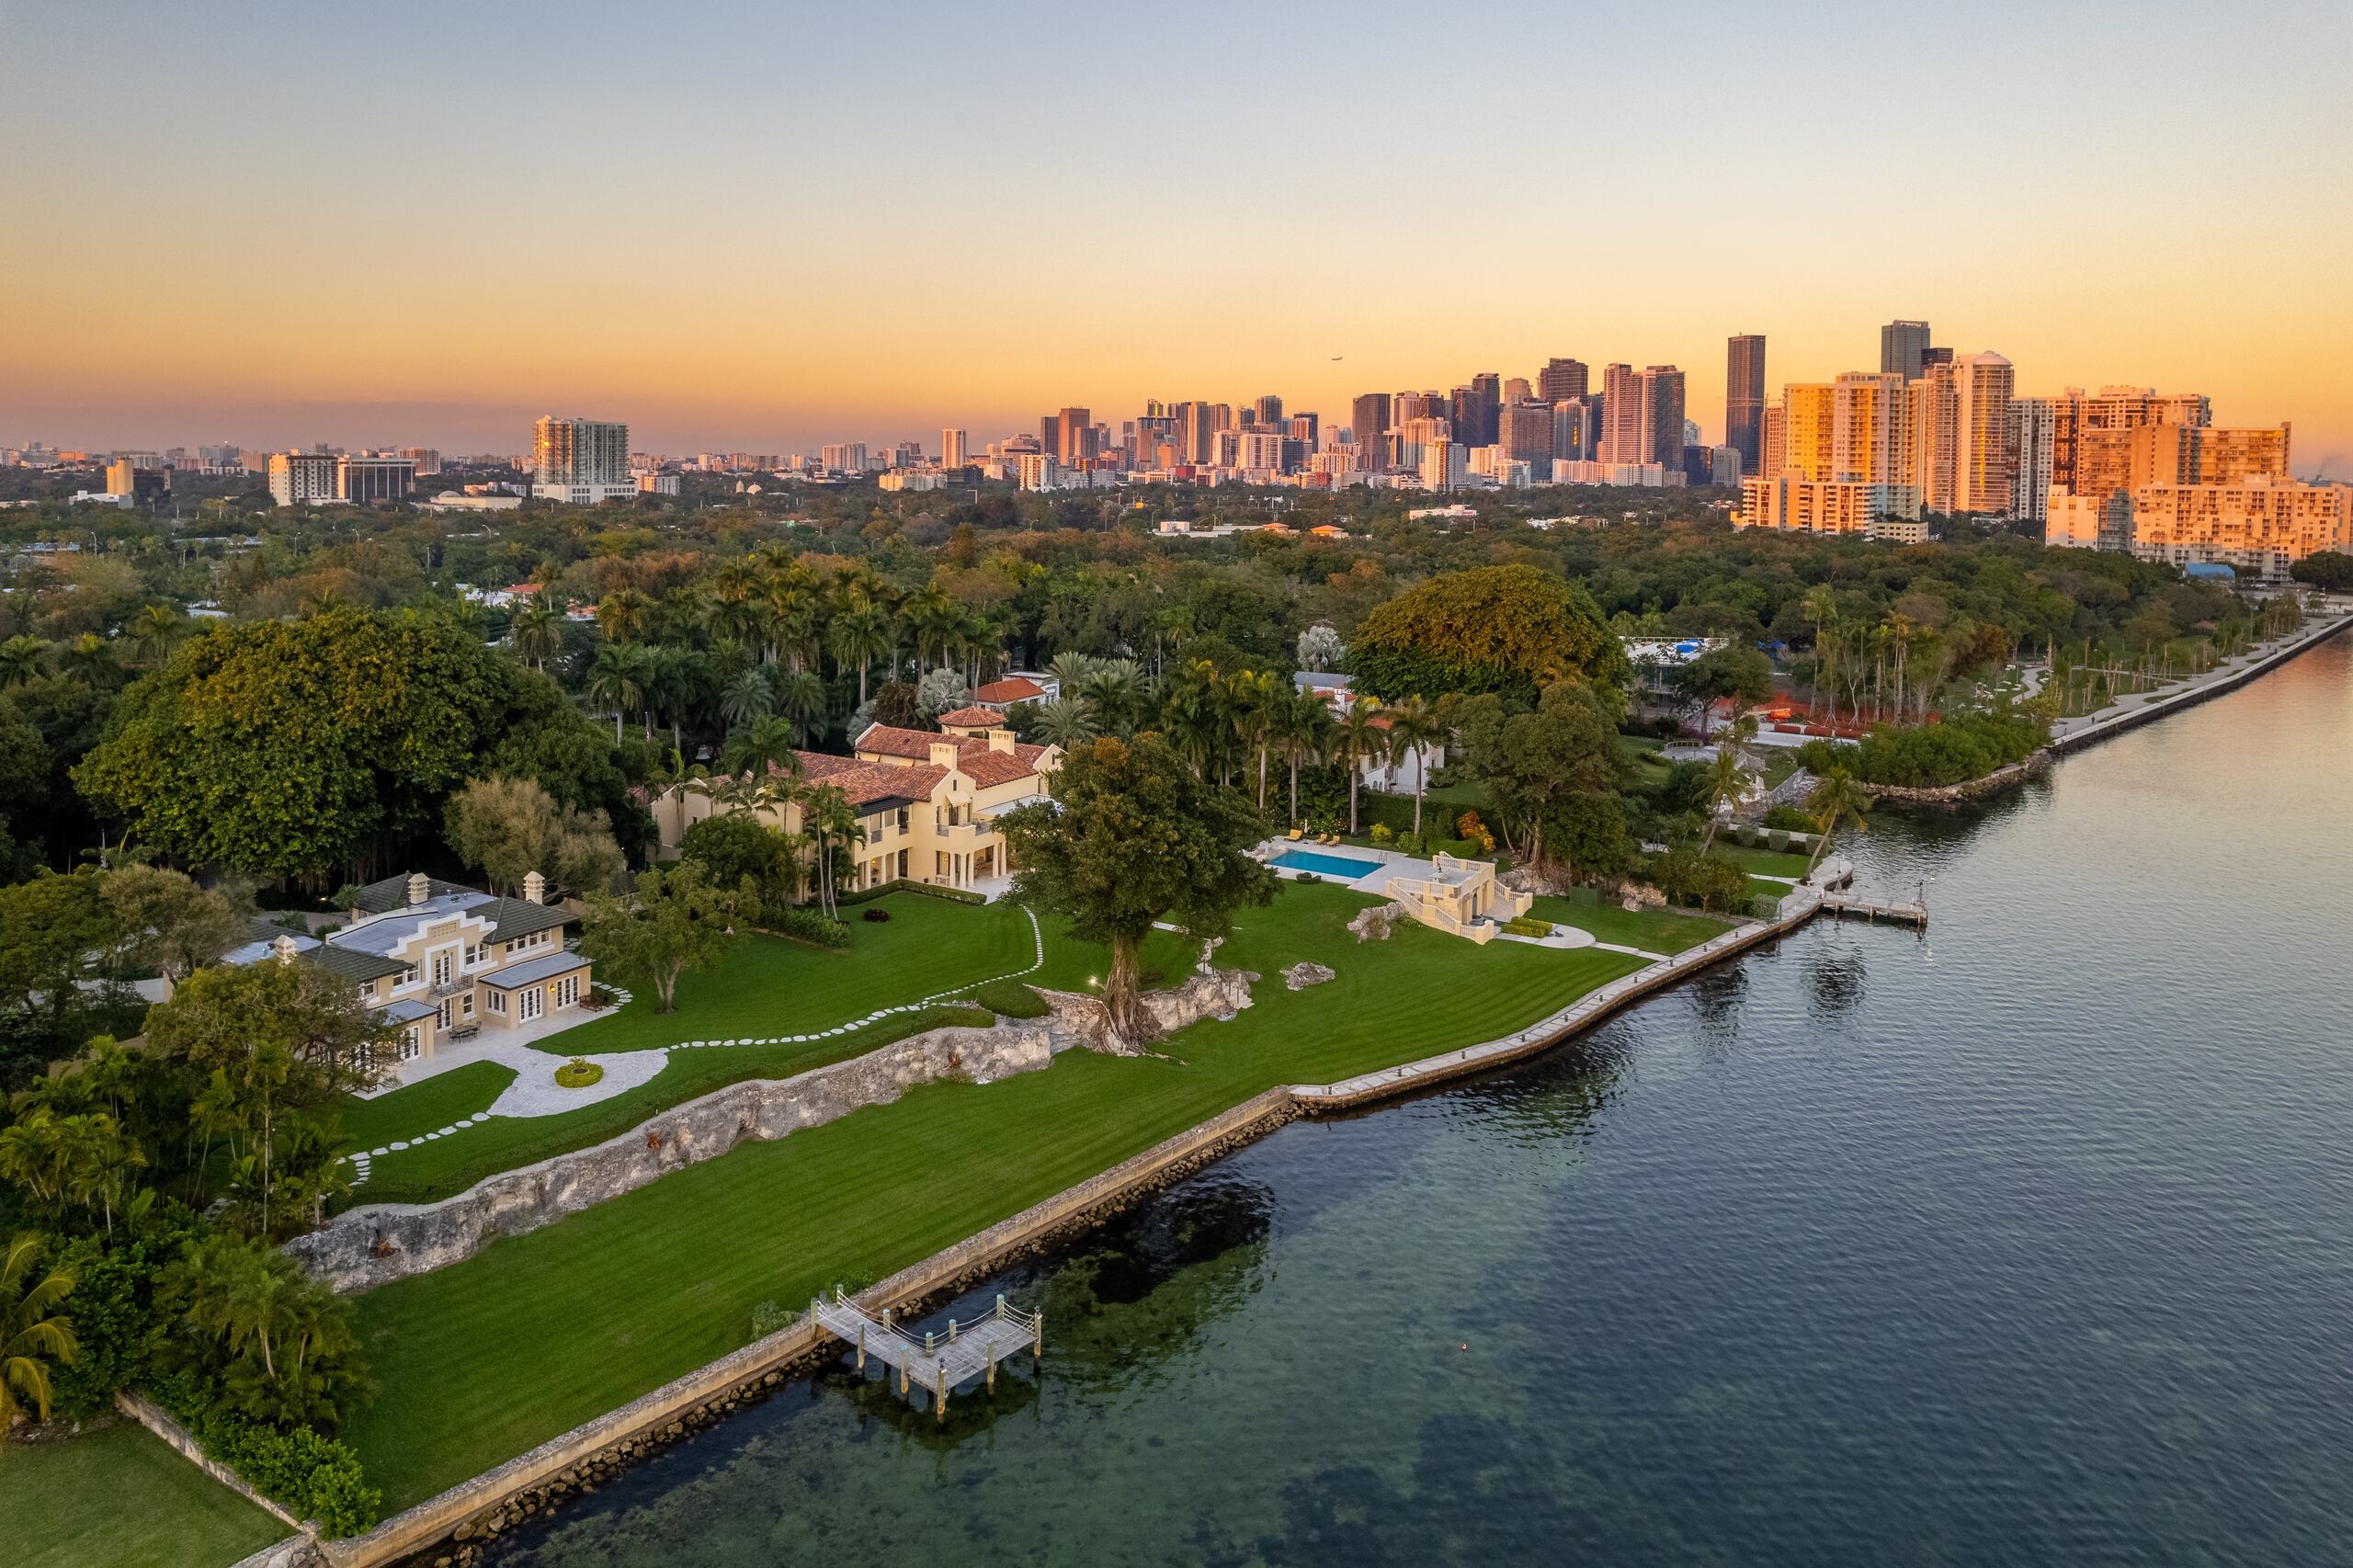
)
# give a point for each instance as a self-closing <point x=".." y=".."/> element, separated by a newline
<point x="767" y="743"/>
<point x="1354" y="738"/>
<point x="829" y="818"/>
<point x="1112" y="699"/>
<point x="622" y="613"/>
<point x="616" y="680"/>
<point x="1067" y="722"/>
<point x="1305" y="727"/>
<point x="153" y="630"/>
<point x="21" y="658"/>
<point x="1820" y="607"/>
<point x="1727" y="776"/>
<point x="33" y="1333"/>
<point x="537" y="633"/>
<point x="1070" y="670"/>
<point x="859" y="635"/>
<point x="800" y="698"/>
<point x="1836" y="802"/>
<point x="671" y="674"/>
<point x="89" y="658"/>
<point x="1412" y="724"/>
<point x="750" y="697"/>
<point x="1253" y="696"/>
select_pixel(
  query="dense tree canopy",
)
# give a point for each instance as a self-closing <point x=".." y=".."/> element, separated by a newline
<point x="1499" y="629"/>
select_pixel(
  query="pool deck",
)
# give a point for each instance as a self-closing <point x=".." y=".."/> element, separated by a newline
<point x="1386" y="863"/>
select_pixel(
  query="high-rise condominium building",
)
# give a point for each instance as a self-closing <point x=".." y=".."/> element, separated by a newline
<point x="1664" y="427"/>
<point x="1808" y="414"/>
<point x="1368" y="417"/>
<point x="1776" y="441"/>
<point x="1487" y="394"/>
<point x="1445" y="465"/>
<point x="1416" y="436"/>
<point x="1982" y="385"/>
<point x="301" y="478"/>
<point x="1934" y="435"/>
<point x="1561" y="380"/>
<point x="1621" y="415"/>
<point x="580" y="451"/>
<point x="1575" y="431"/>
<point x="1074" y="439"/>
<point x="1745" y="397"/>
<point x="1259" y="450"/>
<point x="2088" y="445"/>
<point x="1268" y="411"/>
<point x="1526" y="433"/>
<point x="954" y="449"/>
<point x="2259" y="524"/>
<point x="2031" y="421"/>
<point x="1050" y="434"/>
<point x="1903" y="348"/>
<point x="842" y="456"/>
<point x="1870" y="436"/>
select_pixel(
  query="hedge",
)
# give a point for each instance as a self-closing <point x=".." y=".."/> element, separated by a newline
<point x="908" y="884"/>
<point x="1010" y="999"/>
<point x="314" y="1477"/>
<point x="808" y="926"/>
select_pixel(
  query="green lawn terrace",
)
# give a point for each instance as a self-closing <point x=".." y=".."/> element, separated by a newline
<point x="806" y="1006"/>
<point x="119" y="1497"/>
<point x="674" y="1268"/>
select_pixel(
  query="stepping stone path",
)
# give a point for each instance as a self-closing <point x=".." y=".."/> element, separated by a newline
<point x="360" y="1162"/>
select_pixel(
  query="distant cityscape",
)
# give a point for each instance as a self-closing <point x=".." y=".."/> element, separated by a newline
<point x="1930" y="433"/>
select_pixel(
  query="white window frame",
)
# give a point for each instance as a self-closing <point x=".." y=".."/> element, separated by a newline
<point x="567" y="991"/>
<point x="529" y="1005"/>
<point x="498" y="1001"/>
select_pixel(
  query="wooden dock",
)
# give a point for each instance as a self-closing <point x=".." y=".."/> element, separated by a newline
<point x="1847" y="906"/>
<point x="938" y="1362"/>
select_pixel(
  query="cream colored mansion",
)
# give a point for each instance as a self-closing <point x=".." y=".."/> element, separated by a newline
<point x="928" y="801"/>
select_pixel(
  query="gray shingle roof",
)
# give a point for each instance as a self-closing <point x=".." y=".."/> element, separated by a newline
<point x="513" y="917"/>
<point x="379" y="898"/>
<point x="352" y="964"/>
<point x="533" y="970"/>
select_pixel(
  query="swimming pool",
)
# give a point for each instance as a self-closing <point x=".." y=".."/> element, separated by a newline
<point x="1340" y="865"/>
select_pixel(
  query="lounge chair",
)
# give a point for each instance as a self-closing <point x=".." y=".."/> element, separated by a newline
<point x="1295" y="834"/>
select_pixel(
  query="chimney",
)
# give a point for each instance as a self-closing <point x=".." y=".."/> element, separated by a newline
<point x="283" y="948"/>
<point x="1001" y="740"/>
<point x="419" y="887"/>
<point x="535" y="888"/>
<point x="945" y="753"/>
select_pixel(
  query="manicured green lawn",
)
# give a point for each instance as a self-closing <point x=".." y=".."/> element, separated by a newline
<point x="764" y="985"/>
<point x="1653" y="930"/>
<point x="1760" y="862"/>
<point x="422" y="1172"/>
<point x="541" y="1331"/>
<point x="118" y="1498"/>
<point x="420" y="1107"/>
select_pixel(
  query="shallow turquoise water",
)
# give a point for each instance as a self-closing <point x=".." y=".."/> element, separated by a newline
<point x="2028" y="1243"/>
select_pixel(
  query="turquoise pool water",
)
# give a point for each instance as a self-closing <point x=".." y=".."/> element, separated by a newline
<point x="1340" y="865"/>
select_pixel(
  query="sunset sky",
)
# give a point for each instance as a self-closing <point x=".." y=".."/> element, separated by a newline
<point x="769" y="225"/>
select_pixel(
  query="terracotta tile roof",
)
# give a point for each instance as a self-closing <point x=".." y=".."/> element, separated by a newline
<point x="868" y="783"/>
<point x="986" y="767"/>
<point x="982" y="716"/>
<point x="1013" y="688"/>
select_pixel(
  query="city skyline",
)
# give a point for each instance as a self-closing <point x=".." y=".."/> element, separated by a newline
<point x="739" y="251"/>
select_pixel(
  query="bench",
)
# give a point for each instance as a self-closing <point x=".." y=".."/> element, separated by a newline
<point x="466" y="1030"/>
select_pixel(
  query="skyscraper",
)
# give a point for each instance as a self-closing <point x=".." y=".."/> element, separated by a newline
<point x="1902" y="348"/>
<point x="1982" y="387"/>
<point x="2031" y="422"/>
<point x="1776" y="442"/>
<point x="1745" y="397"/>
<point x="1487" y="388"/>
<point x="1871" y="440"/>
<point x="1661" y="436"/>
<point x="952" y="449"/>
<point x="1526" y="433"/>
<point x="1077" y="428"/>
<point x="1269" y="411"/>
<point x="1808" y="411"/>
<point x="1196" y="423"/>
<point x="1369" y="417"/>
<point x="1561" y="380"/>
<point x="1621" y="415"/>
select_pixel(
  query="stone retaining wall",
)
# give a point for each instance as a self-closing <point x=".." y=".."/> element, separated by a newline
<point x="1992" y="783"/>
<point x="375" y="1244"/>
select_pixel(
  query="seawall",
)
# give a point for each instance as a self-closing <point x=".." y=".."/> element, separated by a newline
<point x="489" y="1503"/>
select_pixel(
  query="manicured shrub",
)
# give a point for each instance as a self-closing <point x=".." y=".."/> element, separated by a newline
<point x="878" y="917"/>
<point x="1525" y="926"/>
<point x="578" y="1074"/>
<point x="1789" y="819"/>
<point x="809" y="925"/>
<point x="771" y="1317"/>
<point x="1382" y="834"/>
<point x="313" y="1476"/>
